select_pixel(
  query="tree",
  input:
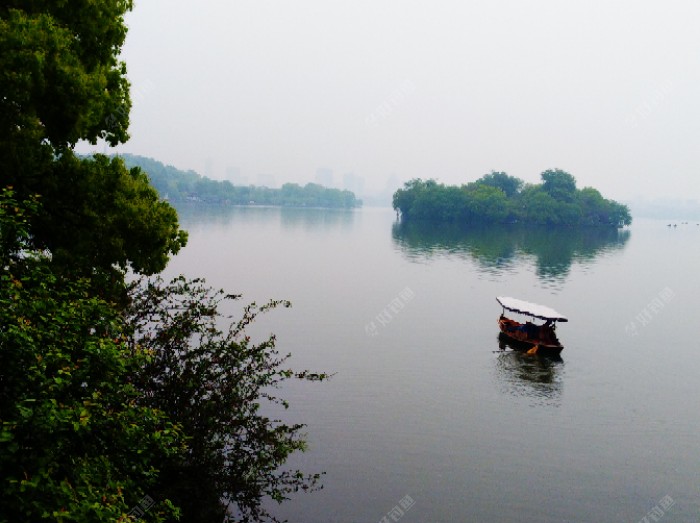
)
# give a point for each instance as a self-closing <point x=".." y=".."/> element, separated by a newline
<point x="405" y="198"/>
<point x="89" y="399"/>
<point x="618" y="214"/>
<point x="75" y="442"/>
<point x="593" y="206"/>
<point x="111" y="216"/>
<point x="510" y="185"/>
<point x="559" y="184"/>
<point x="537" y="206"/>
<point x="596" y="210"/>
<point x="487" y="203"/>
<point x="60" y="82"/>
<point x="430" y="200"/>
<point x="215" y="384"/>
<point x="61" y="78"/>
<point x="499" y="198"/>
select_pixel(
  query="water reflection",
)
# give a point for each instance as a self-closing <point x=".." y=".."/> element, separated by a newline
<point x="500" y="248"/>
<point x="317" y="219"/>
<point x="193" y="215"/>
<point x="537" y="378"/>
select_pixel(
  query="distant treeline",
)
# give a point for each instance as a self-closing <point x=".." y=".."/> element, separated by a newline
<point x="500" y="198"/>
<point x="182" y="186"/>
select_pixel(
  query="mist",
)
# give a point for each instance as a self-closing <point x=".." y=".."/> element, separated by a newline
<point x="377" y="93"/>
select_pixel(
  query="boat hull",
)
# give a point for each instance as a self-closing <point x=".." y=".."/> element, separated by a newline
<point x="529" y="338"/>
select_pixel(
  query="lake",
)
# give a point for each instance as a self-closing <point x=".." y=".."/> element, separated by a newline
<point x="427" y="419"/>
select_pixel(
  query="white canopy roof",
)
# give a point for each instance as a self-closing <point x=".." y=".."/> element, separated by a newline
<point x="531" y="309"/>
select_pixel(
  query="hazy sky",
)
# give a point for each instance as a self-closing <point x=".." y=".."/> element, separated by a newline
<point x="607" y="90"/>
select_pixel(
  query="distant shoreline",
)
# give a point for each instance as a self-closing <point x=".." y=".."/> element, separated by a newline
<point x="190" y="203"/>
<point x="175" y="186"/>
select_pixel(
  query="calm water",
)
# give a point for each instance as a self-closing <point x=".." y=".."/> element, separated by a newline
<point x="426" y="413"/>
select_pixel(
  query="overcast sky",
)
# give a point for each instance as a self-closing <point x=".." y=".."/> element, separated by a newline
<point x="606" y="90"/>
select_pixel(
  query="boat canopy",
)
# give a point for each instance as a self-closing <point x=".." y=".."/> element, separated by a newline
<point x="530" y="309"/>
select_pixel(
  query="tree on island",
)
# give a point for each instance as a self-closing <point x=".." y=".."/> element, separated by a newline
<point x="510" y="185"/>
<point x="118" y="401"/>
<point x="499" y="198"/>
<point x="559" y="184"/>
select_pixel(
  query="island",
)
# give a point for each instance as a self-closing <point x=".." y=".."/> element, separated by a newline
<point x="179" y="186"/>
<point x="499" y="198"/>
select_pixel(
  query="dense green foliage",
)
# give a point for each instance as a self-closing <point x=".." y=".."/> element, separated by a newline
<point x="115" y="401"/>
<point x="178" y="186"/>
<point x="499" y="198"/>
<point x="61" y="82"/>
<point x="60" y="78"/>
<point x="76" y="444"/>
<point x="111" y="216"/>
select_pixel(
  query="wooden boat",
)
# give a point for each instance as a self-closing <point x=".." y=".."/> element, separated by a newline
<point x="536" y="339"/>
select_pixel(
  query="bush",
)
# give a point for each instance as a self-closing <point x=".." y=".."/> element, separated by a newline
<point x="215" y="383"/>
